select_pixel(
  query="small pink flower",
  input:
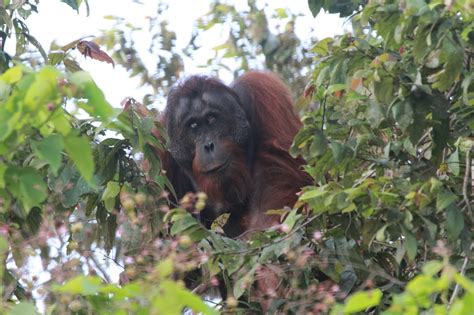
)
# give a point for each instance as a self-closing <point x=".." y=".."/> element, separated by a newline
<point x="317" y="236"/>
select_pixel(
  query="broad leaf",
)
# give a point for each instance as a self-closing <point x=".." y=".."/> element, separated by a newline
<point x="27" y="185"/>
<point x="49" y="150"/>
<point x="109" y="196"/>
<point x="97" y="106"/>
<point x="361" y="301"/>
<point x="454" y="222"/>
<point x="23" y="308"/>
<point x="85" y="285"/>
<point x="80" y="152"/>
<point x="75" y="4"/>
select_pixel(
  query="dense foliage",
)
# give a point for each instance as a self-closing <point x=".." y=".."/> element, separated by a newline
<point x="387" y="227"/>
<point x="390" y="148"/>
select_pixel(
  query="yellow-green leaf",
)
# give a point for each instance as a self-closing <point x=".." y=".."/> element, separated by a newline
<point x="85" y="285"/>
<point x="23" y="308"/>
<point x="110" y="193"/>
<point x="361" y="301"/>
<point x="12" y="75"/>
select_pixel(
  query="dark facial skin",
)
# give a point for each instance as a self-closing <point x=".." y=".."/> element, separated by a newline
<point x="199" y="128"/>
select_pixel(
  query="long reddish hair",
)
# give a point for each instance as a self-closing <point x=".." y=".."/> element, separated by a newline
<point x="264" y="175"/>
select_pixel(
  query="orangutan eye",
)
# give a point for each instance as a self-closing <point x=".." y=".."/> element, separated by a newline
<point x="193" y="125"/>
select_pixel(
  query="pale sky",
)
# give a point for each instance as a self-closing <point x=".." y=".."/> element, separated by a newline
<point x="56" y="21"/>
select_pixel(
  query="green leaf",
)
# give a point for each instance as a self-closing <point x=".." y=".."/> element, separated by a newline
<point x="3" y="169"/>
<point x="411" y="244"/>
<point x="242" y="283"/>
<point x="431" y="268"/>
<point x="322" y="46"/>
<point x="453" y="162"/>
<point x="467" y="96"/>
<point x="110" y="193"/>
<point x="37" y="44"/>
<point x="315" y="6"/>
<point x="80" y="152"/>
<point x="188" y="225"/>
<point x="454" y="221"/>
<point x="312" y="193"/>
<point x="403" y="114"/>
<point x="340" y="151"/>
<point x="176" y="293"/>
<point x="55" y="58"/>
<point x="182" y="222"/>
<point x="43" y="89"/>
<point x="49" y="150"/>
<point x="23" y="308"/>
<point x="300" y="141"/>
<point x="360" y="301"/>
<point x="97" y="105"/>
<point x="440" y="118"/>
<point x="453" y="56"/>
<point x="464" y="282"/>
<point x="291" y="219"/>
<point x="71" y="65"/>
<point x="421" y="285"/>
<point x="338" y="71"/>
<point x="165" y="268"/>
<point x="420" y="45"/>
<point x="414" y="7"/>
<point x="444" y="198"/>
<point x="432" y="61"/>
<point x="5" y="90"/>
<point x="5" y="18"/>
<point x="33" y="189"/>
<point x="409" y="147"/>
<point x="12" y="75"/>
<point x="335" y="88"/>
<point x="375" y="114"/>
<point x="380" y="235"/>
<point x="318" y="146"/>
<point x="84" y="285"/>
<point x="26" y="184"/>
<point x="343" y="7"/>
<point x="384" y="90"/>
<point x="62" y="124"/>
<point x="351" y="207"/>
<point x="76" y="186"/>
<point x="75" y="4"/>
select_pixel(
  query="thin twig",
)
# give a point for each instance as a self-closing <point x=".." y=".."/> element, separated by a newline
<point x="472" y="179"/>
<point x="99" y="267"/>
<point x="451" y="91"/>
<point x="109" y="258"/>
<point x="248" y="250"/>
<point x="323" y="124"/>
<point x="466" y="181"/>
<point x="463" y="271"/>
